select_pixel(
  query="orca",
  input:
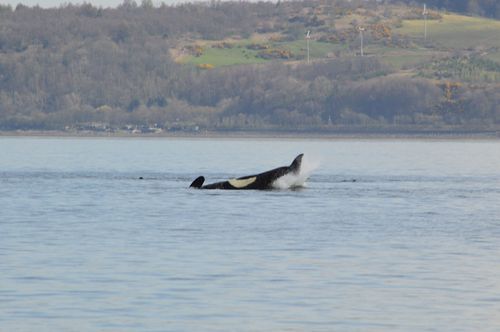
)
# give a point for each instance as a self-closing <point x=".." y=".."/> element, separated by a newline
<point x="263" y="181"/>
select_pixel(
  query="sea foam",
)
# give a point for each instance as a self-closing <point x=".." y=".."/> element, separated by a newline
<point x="296" y="180"/>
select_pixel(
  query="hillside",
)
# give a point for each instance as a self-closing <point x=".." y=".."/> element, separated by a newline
<point x="239" y="65"/>
<point x="396" y="37"/>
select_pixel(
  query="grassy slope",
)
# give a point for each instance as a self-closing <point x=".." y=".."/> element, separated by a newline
<point x="456" y="31"/>
<point x="316" y="49"/>
<point x="239" y="54"/>
<point x="452" y="32"/>
<point x="402" y="58"/>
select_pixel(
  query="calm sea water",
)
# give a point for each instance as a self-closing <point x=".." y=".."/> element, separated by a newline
<point x="412" y="245"/>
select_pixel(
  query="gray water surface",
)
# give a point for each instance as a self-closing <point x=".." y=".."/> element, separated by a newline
<point x="412" y="245"/>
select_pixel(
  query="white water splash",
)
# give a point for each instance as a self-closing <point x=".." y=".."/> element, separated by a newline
<point x="296" y="180"/>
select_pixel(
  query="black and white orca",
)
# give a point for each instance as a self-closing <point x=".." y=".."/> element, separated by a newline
<point x="262" y="181"/>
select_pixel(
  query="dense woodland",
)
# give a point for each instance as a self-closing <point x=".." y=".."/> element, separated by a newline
<point x="82" y="67"/>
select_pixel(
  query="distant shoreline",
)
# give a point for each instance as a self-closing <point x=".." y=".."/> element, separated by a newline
<point x="263" y="134"/>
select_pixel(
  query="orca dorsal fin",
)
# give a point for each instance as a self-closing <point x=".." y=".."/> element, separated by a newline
<point x="198" y="182"/>
<point x="297" y="162"/>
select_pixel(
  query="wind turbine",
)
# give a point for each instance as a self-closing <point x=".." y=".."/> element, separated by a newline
<point x="425" y="13"/>
<point x="361" y="29"/>
<point x="308" y="37"/>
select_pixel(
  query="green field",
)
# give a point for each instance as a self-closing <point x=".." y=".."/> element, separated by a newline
<point x="239" y="54"/>
<point x="452" y="32"/>
<point x="400" y="58"/>
<point x="316" y="49"/>
<point x="456" y="31"/>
